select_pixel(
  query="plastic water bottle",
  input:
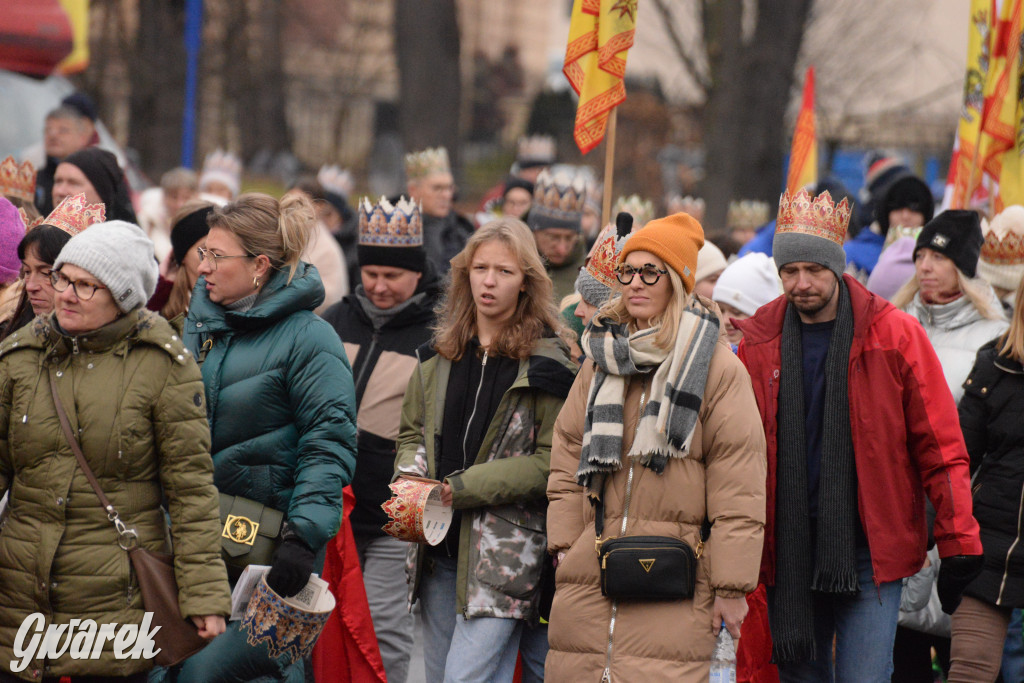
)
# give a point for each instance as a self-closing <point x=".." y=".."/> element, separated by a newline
<point x="723" y="659"/>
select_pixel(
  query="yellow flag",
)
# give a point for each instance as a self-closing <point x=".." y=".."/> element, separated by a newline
<point x="78" y="15"/>
<point x="987" y="154"/>
<point x="600" y="35"/>
<point x="803" y="155"/>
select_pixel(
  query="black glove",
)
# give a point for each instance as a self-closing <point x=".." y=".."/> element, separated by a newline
<point x="293" y="563"/>
<point x="954" y="575"/>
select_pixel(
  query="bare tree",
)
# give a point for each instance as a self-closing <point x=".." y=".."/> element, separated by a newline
<point x="745" y="68"/>
<point x="427" y="47"/>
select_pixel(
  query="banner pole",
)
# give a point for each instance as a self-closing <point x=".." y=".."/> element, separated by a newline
<point x="609" y="167"/>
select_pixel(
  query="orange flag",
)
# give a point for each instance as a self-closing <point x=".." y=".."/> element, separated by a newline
<point x="803" y="155"/>
<point x="600" y="35"/>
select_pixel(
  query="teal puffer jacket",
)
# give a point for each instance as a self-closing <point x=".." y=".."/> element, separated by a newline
<point x="280" y="401"/>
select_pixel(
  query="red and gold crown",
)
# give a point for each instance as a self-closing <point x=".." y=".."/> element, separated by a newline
<point x="1004" y="238"/>
<point x="74" y="214"/>
<point x="820" y="216"/>
<point x="17" y="180"/>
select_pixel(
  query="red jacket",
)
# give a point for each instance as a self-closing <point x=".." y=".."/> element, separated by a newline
<point x="906" y="434"/>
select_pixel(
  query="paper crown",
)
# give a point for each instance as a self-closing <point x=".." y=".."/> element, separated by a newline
<point x="535" y="150"/>
<point x="747" y="214"/>
<point x="1004" y="238"/>
<point x="642" y="210"/>
<point x="692" y="206"/>
<point x="29" y="223"/>
<point x="416" y="512"/>
<point x="17" y="180"/>
<point x="821" y="216"/>
<point x="387" y="225"/>
<point x="74" y="214"/>
<point x="419" y="165"/>
<point x="285" y="627"/>
<point x="558" y="201"/>
<point x="335" y="179"/>
<point x="897" y="232"/>
<point x="223" y="167"/>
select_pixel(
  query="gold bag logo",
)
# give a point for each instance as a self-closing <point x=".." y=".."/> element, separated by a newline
<point x="647" y="564"/>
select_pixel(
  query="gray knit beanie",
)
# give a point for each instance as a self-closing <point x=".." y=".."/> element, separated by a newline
<point x="120" y="256"/>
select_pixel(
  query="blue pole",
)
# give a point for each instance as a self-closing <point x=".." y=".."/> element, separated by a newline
<point x="193" y="41"/>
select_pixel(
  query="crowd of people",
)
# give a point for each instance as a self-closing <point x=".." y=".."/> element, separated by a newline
<point x="786" y="414"/>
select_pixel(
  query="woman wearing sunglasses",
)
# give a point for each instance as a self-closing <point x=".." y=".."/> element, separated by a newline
<point x="660" y="430"/>
<point x="134" y="393"/>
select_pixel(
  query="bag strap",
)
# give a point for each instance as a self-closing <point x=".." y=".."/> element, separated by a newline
<point x="127" y="538"/>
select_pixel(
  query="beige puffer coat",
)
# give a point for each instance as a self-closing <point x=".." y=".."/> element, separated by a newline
<point x="135" y="397"/>
<point x="724" y="478"/>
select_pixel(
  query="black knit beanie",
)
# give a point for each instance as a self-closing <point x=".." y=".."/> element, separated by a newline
<point x="956" y="234"/>
<point x="188" y="231"/>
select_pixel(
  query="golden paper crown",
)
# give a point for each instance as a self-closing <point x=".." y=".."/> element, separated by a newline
<point x="536" y="150"/>
<point x="561" y="192"/>
<point x="747" y="214"/>
<point x="384" y="225"/>
<point x="820" y="216"/>
<point x="419" y="165"/>
<point x="691" y="206"/>
<point x="642" y="210"/>
<point x="1004" y="238"/>
<point x="74" y="214"/>
<point x="17" y="181"/>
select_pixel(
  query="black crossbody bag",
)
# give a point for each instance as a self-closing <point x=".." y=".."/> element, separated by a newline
<point x="645" y="567"/>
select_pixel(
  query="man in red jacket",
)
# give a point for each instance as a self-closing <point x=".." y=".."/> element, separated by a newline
<point x="860" y="425"/>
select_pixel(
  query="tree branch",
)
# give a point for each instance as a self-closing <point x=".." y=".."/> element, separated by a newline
<point x="677" y="43"/>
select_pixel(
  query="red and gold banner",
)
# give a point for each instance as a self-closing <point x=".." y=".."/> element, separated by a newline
<point x="803" y="155"/>
<point x="600" y="35"/>
<point x="986" y="170"/>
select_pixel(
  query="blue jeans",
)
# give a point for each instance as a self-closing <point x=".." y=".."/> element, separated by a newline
<point x="863" y="627"/>
<point x="533" y="646"/>
<point x="457" y="649"/>
<point x="1013" y="651"/>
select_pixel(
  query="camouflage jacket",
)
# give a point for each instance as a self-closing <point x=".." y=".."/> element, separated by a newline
<point x="502" y="543"/>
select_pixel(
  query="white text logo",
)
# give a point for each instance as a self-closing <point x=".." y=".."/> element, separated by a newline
<point x="81" y="639"/>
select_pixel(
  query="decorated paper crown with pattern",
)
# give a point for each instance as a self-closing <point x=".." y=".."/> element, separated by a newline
<point x="535" y="150"/>
<point x="1004" y="238"/>
<point x="419" y="165"/>
<point x="818" y="216"/>
<point x="74" y="214"/>
<point x="335" y="179"/>
<point x="17" y="180"/>
<point x="747" y="214"/>
<point x="596" y="282"/>
<point x="642" y="210"/>
<point x="558" y="201"/>
<point x="386" y="225"/>
<point x="691" y="206"/>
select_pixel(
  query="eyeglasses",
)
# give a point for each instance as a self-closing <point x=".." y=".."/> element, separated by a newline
<point x="649" y="274"/>
<point x="216" y="258"/>
<point x="27" y="273"/>
<point x="83" y="290"/>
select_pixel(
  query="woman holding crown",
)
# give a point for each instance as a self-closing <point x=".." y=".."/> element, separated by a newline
<point x="281" y="402"/>
<point x="478" y="416"/>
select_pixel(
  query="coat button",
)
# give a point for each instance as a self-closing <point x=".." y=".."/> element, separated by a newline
<point x="90" y="366"/>
<point x="60" y="501"/>
<point x="199" y="324"/>
<point x="60" y="373"/>
<point x="984" y="390"/>
<point x="53" y="585"/>
<point x="970" y="381"/>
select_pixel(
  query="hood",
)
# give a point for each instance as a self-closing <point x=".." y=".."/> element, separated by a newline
<point x="278" y="299"/>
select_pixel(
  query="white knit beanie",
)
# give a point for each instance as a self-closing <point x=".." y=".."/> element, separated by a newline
<point x="748" y="283"/>
<point x="120" y="256"/>
<point x="710" y="260"/>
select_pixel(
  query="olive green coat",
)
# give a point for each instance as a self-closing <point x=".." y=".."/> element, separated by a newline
<point x="135" y="397"/>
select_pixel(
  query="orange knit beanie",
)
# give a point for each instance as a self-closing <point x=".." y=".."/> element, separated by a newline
<point x="675" y="240"/>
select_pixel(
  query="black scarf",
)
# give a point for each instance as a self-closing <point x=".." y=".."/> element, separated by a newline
<point x="833" y="569"/>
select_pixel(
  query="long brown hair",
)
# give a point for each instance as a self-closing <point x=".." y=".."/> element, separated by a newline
<point x="535" y="314"/>
<point x="181" y="291"/>
<point x="280" y="230"/>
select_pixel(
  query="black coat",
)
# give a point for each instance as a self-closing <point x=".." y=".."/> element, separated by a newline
<point x="382" y="362"/>
<point x="992" y="419"/>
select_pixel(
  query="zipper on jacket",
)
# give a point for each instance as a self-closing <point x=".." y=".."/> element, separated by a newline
<point x="472" y="414"/>
<point x="74" y="345"/>
<point x="367" y="362"/>
<point x="1009" y="552"/>
<point x="606" y="677"/>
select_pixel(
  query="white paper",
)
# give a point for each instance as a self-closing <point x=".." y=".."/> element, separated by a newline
<point x="309" y="598"/>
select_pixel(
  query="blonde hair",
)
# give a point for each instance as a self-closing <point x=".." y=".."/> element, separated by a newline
<point x="1011" y="344"/>
<point x="615" y="311"/>
<point x="976" y="289"/>
<point x="535" y="315"/>
<point x="277" y="229"/>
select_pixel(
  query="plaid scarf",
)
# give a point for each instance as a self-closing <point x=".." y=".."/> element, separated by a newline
<point x="670" y="415"/>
